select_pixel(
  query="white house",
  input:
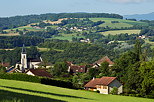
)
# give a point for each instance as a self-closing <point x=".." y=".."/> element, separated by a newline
<point x="104" y="85"/>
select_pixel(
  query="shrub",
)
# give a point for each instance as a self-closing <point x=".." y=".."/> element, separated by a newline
<point x="36" y="79"/>
<point x="20" y="77"/>
<point x="114" y="91"/>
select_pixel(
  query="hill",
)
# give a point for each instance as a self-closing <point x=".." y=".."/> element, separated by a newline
<point x="11" y="90"/>
<point x="149" y="16"/>
<point x="121" y="22"/>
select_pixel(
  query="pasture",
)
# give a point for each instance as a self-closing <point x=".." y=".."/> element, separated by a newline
<point x="18" y="91"/>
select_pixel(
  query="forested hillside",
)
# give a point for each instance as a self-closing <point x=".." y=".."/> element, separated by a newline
<point x="13" y="22"/>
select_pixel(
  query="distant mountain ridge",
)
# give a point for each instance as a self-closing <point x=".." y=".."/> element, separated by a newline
<point x="149" y="16"/>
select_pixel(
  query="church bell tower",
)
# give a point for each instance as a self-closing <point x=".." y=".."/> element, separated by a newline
<point x="23" y="59"/>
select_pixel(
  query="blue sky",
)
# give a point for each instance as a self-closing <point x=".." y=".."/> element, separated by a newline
<point x="123" y="7"/>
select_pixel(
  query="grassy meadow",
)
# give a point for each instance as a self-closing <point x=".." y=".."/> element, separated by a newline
<point x="18" y="91"/>
<point x="121" y="32"/>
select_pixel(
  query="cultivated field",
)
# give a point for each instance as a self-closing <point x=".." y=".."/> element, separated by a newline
<point x="121" y="32"/>
<point x="18" y="91"/>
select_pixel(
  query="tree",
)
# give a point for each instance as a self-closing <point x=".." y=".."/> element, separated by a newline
<point x="59" y="68"/>
<point x="93" y="72"/>
<point x="147" y="73"/>
<point x="104" y="68"/>
<point x="114" y="91"/>
<point x="2" y="69"/>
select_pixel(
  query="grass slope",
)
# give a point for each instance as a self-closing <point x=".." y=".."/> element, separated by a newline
<point x="15" y="91"/>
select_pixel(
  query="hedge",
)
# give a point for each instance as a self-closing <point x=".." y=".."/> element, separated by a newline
<point x="36" y="79"/>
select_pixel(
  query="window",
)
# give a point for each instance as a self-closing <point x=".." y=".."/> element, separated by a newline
<point x="98" y="86"/>
<point x="104" y="87"/>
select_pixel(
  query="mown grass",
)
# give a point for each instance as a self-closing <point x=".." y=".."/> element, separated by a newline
<point x="34" y="92"/>
<point x="121" y="32"/>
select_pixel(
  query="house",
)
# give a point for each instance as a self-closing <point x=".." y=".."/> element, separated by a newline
<point x="104" y="59"/>
<point x="38" y="72"/>
<point x="6" y="65"/>
<point x="77" y="69"/>
<point x="104" y="85"/>
<point x="27" y="63"/>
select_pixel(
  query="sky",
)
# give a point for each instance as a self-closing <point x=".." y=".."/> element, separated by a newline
<point x="26" y="7"/>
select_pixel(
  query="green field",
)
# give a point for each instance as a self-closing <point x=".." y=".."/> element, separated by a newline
<point x="18" y="91"/>
<point x="67" y="37"/>
<point x="121" y="32"/>
<point x="122" y="23"/>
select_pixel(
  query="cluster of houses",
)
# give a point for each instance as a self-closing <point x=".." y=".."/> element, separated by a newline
<point x="31" y="66"/>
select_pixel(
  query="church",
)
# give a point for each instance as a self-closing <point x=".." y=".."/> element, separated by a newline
<point x="27" y="63"/>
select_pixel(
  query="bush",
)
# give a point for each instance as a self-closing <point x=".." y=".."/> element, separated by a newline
<point x="114" y="91"/>
<point x="36" y="79"/>
<point x="59" y="83"/>
<point x="20" y="77"/>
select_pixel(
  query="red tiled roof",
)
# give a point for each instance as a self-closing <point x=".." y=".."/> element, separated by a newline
<point x="105" y="59"/>
<point x="5" y="64"/>
<point x="92" y="83"/>
<point x="40" y="72"/>
<point x="75" y="69"/>
<point x="100" y="81"/>
<point x="105" y="80"/>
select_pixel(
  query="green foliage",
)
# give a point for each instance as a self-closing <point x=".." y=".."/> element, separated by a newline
<point x="18" y="41"/>
<point x="2" y="69"/>
<point x="93" y="72"/>
<point x="114" y="91"/>
<point x="20" y="77"/>
<point x="147" y="73"/>
<point x="104" y="68"/>
<point x="76" y="52"/>
<point x="59" y="68"/>
<point x="36" y="79"/>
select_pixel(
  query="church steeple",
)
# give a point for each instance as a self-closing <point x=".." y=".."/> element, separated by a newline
<point x="23" y="59"/>
<point x="23" y="49"/>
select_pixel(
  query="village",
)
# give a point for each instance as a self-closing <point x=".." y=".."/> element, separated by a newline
<point x="34" y="67"/>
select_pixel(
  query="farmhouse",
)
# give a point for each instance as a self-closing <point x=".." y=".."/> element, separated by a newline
<point x="104" y="59"/>
<point x="104" y="85"/>
<point x="27" y="63"/>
